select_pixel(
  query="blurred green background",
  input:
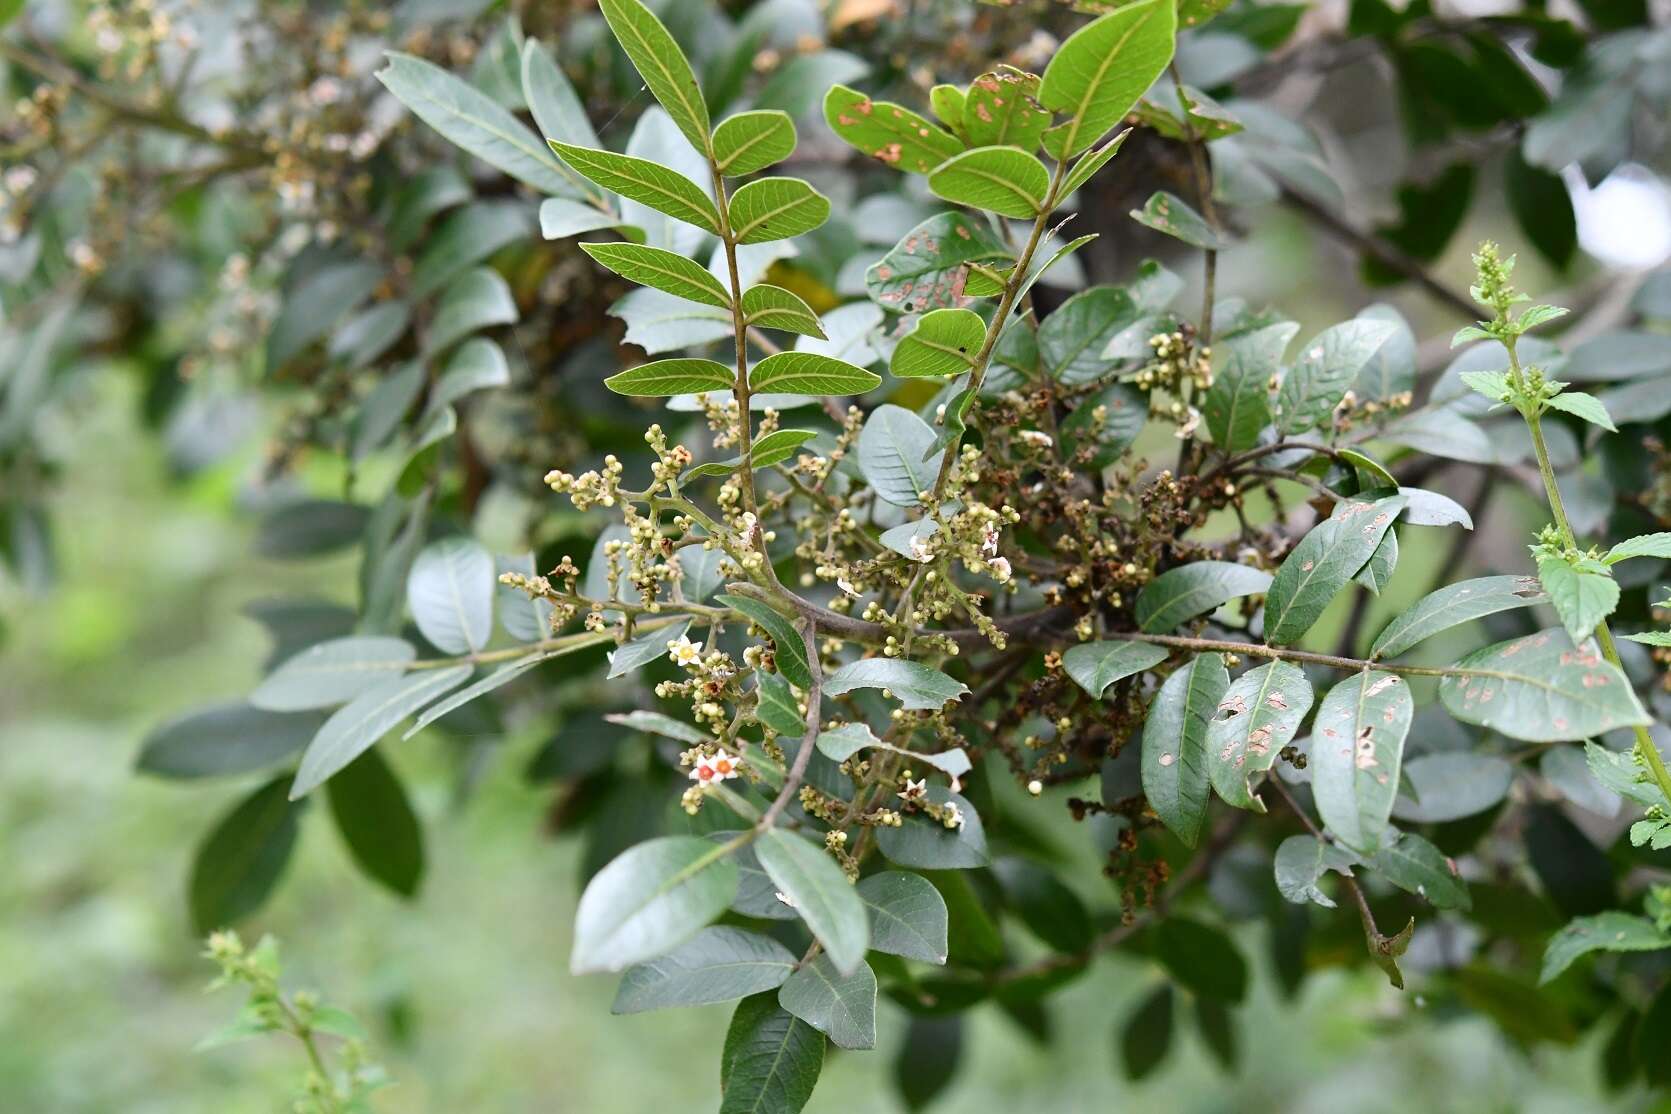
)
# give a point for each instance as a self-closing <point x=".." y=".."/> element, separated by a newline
<point x="467" y="994"/>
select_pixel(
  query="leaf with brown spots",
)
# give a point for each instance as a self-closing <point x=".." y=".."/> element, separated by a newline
<point x="1257" y="717"/>
<point x="888" y="132"/>
<point x="1323" y="562"/>
<point x="1542" y="689"/>
<point x="1357" y="746"/>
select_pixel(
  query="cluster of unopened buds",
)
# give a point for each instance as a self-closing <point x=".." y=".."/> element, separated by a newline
<point x="1176" y="362"/>
<point x="589" y="489"/>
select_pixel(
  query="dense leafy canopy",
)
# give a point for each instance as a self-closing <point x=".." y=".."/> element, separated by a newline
<point x="895" y="507"/>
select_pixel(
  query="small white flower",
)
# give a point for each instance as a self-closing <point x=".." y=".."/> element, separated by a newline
<point x="999" y="567"/>
<point x="914" y="790"/>
<point x="684" y="651"/>
<point x="954" y="815"/>
<point x="721" y="767"/>
<point x="847" y="588"/>
<point x="1035" y="437"/>
<point x="1189" y="425"/>
<point x="919" y="550"/>
<point x="989" y="542"/>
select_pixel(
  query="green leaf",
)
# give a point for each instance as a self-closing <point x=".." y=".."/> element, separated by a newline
<point x="1238" y="404"/>
<point x="1567" y="771"/>
<point x="1645" y="545"/>
<point x="1171" y="215"/>
<point x="1075" y="340"/>
<point x="1450" y="785"/>
<point x="945" y="342"/>
<point x="1091" y="162"/>
<point x="224" y="739"/>
<point x="788" y="647"/>
<point x="356" y="726"/>
<point x="1201" y="958"/>
<point x="774" y="448"/>
<point x="777" y="708"/>
<point x="1411" y="863"/>
<point x="1003" y="180"/>
<point x="907" y="915"/>
<point x="888" y="132"/>
<point x="892" y="447"/>
<point x="1301" y="861"/>
<point x="1253" y="722"/>
<point x="1000" y="111"/>
<point x="682" y="376"/>
<point x="467" y="237"/>
<point x="775" y="209"/>
<point x="650" y="646"/>
<point x="1099" y="73"/>
<point x="450" y="594"/>
<point x="332" y="673"/>
<point x="1096" y="665"/>
<point x="716" y="965"/>
<point x="771" y="1060"/>
<point x="1105" y="425"/>
<point x="316" y="304"/>
<point x="477" y="299"/>
<point x="1649" y="637"/>
<point x="662" y="65"/>
<point x="840" y="742"/>
<point x="475" y="122"/>
<point x="1541" y="689"/>
<point x="773" y="307"/>
<point x="751" y="141"/>
<point x="1357" y="748"/>
<point x="649" y="900"/>
<point x="561" y="218"/>
<point x="1146" y="1037"/>
<point x="1583" y="592"/>
<point x="1187" y="591"/>
<point x="1378" y="570"/>
<point x="916" y="686"/>
<point x="819" y="891"/>
<point x="948" y="102"/>
<point x="1611" y="931"/>
<point x="1047" y="906"/>
<point x="841" y="1006"/>
<point x="242" y="858"/>
<point x="1327" y="367"/>
<point x="1175" y="744"/>
<point x="808" y="373"/>
<point x="1584" y="406"/>
<point x="1322" y="564"/>
<point x="477" y="364"/>
<point x="663" y="270"/>
<point x="1453" y="605"/>
<point x="650" y="183"/>
<point x="923" y="843"/>
<point x="370" y="333"/>
<point x="656" y="723"/>
<point x="552" y="100"/>
<point x="505" y="674"/>
<point x="377" y="822"/>
<point x="929" y="267"/>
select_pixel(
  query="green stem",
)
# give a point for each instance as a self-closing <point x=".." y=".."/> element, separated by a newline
<point x="1531" y="409"/>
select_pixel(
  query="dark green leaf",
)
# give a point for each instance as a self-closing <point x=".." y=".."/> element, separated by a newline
<point x="1195" y="589"/>
<point x="1357" y="748"/>
<point x="842" y="1007"/>
<point x="661" y="269"/>
<point x="650" y="183"/>
<point x="1542" y="689"/>
<point x="1611" y="931"/>
<point x="716" y="965"/>
<point x="916" y="686"/>
<point x="241" y="859"/>
<point x="907" y="915"/>
<point x="1201" y="958"/>
<point x="377" y="822"/>
<point x="1096" y="665"/>
<point x="927" y="844"/>
<point x="1100" y="71"/>
<point x="788" y="647"/>
<point x="887" y="132"/>
<point x="374" y="713"/>
<point x="1411" y="863"/>
<point x="1175" y="744"/>
<point x="771" y="1059"/>
<point x="225" y="739"/>
<point x="1238" y="404"/>
<point x="1146" y="1037"/>
<point x="1171" y="215"/>
<point x="662" y="65"/>
<point x="1452" y="606"/>
<point x="1322" y="564"/>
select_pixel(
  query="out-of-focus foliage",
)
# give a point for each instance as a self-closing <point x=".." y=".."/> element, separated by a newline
<point x="347" y="230"/>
